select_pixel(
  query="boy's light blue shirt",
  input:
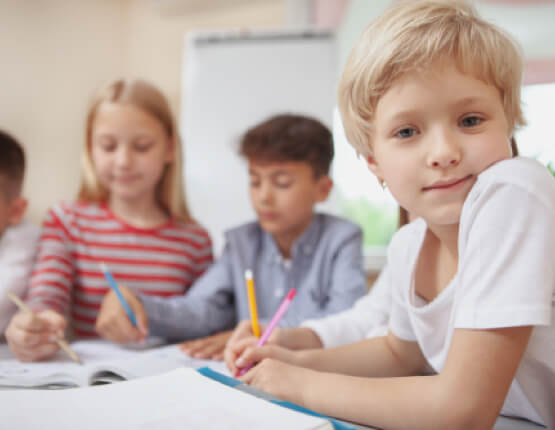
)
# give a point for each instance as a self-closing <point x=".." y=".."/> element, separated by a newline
<point x="325" y="267"/>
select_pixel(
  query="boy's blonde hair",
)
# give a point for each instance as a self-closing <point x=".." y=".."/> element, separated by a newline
<point x="169" y="191"/>
<point x="413" y="35"/>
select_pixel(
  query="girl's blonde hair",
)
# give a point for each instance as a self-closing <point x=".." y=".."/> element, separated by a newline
<point x="169" y="191"/>
<point x="413" y="35"/>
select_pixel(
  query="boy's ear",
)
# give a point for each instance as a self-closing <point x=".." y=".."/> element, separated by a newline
<point x="17" y="209"/>
<point x="373" y="166"/>
<point x="325" y="184"/>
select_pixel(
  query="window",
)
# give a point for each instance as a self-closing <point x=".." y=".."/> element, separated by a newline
<point x="535" y="139"/>
<point x="362" y="199"/>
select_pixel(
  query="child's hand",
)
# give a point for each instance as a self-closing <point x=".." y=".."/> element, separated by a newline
<point x="113" y="323"/>
<point x="251" y="354"/>
<point x="241" y="338"/>
<point x="207" y="347"/>
<point x="279" y="379"/>
<point x="234" y="349"/>
<point x="32" y="336"/>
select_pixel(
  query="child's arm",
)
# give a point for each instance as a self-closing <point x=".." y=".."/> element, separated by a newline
<point x="31" y="336"/>
<point x="51" y="281"/>
<point x="19" y="248"/>
<point x="368" y="317"/>
<point x="468" y="394"/>
<point x="207" y="308"/>
<point x="382" y="356"/>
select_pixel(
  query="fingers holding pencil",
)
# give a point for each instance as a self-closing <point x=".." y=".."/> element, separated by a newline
<point x="113" y="322"/>
<point x="33" y="336"/>
<point x="272" y="325"/>
<point x="253" y="355"/>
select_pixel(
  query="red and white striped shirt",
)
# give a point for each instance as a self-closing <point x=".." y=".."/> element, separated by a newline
<point x="76" y="237"/>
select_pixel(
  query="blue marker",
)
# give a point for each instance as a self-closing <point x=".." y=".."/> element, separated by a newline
<point x="114" y="286"/>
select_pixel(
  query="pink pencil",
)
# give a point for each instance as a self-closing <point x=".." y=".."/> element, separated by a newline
<point x="273" y="323"/>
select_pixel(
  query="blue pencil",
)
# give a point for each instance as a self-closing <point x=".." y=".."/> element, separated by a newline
<point x="114" y="286"/>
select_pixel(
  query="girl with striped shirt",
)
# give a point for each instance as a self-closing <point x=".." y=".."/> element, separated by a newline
<point x="130" y="215"/>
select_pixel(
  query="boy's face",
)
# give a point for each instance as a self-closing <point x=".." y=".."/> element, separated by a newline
<point x="435" y="131"/>
<point x="283" y="194"/>
<point x="11" y="210"/>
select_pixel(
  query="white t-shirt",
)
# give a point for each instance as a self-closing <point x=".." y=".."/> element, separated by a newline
<point x="505" y="278"/>
<point x="367" y="318"/>
<point x="18" y="246"/>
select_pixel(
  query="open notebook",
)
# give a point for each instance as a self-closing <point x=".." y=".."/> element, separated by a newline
<point x="180" y="399"/>
<point x="103" y="362"/>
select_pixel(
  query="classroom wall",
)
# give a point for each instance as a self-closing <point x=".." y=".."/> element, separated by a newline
<point x="52" y="53"/>
<point x="155" y="36"/>
<point x="55" y="53"/>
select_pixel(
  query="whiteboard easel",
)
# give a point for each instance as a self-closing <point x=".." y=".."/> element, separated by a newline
<point x="232" y="81"/>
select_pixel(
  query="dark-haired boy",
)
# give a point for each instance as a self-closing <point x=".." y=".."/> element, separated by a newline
<point x="18" y="239"/>
<point x="290" y="245"/>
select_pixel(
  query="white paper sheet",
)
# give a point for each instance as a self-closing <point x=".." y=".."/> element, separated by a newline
<point x="180" y="399"/>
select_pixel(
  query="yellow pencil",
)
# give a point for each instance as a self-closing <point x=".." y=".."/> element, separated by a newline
<point x="252" y="303"/>
<point x="60" y="341"/>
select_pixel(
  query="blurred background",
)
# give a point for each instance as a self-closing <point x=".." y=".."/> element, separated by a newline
<point x="55" y="53"/>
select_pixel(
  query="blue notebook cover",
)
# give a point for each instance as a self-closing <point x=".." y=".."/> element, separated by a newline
<point x="234" y="383"/>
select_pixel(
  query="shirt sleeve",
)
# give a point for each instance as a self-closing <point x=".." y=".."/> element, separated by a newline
<point x="52" y="277"/>
<point x="208" y="307"/>
<point x="367" y="318"/>
<point x="506" y="264"/>
<point x="205" y="258"/>
<point x="16" y="263"/>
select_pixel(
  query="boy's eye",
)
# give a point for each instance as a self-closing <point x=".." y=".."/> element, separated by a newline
<point x="406" y="132"/>
<point x="283" y="180"/>
<point x="283" y="184"/>
<point x="471" y="121"/>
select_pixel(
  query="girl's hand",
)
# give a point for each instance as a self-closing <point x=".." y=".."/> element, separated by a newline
<point x="113" y="323"/>
<point x="251" y="355"/>
<point x="234" y="350"/>
<point x="280" y="379"/>
<point x="243" y="336"/>
<point x="32" y="336"/>
<point x="207" y="347"/>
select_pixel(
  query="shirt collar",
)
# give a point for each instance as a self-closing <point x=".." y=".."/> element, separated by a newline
<point x="305" y="244"/>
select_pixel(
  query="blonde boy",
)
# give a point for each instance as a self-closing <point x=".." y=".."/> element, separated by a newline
<point x="18" y="239"/>
<point x="431" y="97"/>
